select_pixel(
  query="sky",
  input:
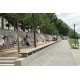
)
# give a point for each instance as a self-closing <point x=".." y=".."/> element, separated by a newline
<point x="71" y="19"/>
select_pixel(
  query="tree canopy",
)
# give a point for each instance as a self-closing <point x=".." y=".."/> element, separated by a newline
<point x="48" y="23"/>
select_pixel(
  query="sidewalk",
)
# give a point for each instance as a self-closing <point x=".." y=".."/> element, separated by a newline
<point x="58" y="54"/>
<point x="76" y="54"/>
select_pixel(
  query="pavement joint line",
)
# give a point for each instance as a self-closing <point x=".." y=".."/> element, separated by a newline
<point x="50" y="59"/>
<point x="74" y="58"/>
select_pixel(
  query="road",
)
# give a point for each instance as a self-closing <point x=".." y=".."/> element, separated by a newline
<point x="58" y="54"/>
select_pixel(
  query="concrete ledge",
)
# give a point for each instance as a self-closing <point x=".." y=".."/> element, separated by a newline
<point x="33" y="50"/>
<point x="27" y="60"/>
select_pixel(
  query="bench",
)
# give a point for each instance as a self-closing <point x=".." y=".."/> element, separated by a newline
<point x="34" y="50"/>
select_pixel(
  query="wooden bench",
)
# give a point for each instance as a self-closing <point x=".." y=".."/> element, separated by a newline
<point x="33" y="50"/>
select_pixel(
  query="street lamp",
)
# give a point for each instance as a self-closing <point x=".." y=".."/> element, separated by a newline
<point x="74" y="36"/>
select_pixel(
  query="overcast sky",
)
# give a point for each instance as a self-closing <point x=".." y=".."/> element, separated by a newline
<point x="71" y="19"/>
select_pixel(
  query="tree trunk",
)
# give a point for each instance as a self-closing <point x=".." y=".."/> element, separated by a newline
<point x="14" y="27"/>
<point x="18" y="37"/>
<point x="45" y="38"/>
<point x="24" y="29"/>
<point x="40" y="31"/>
<point x="8" y="26"/>
<point x="34" y="30"/>
<point x="2" y="21"/>
<point x="28" y="29"/>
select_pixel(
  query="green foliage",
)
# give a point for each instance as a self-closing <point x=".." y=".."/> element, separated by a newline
<point x="71" y="41"/>
<point x="62" y="27"/>
<point x="71" y="34"/>
<point x="54" y="29"/>
<point x="48" y="23"/>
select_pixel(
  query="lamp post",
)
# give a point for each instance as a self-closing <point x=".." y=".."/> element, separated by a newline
<point x="34" y="29"/>
<point x="74" y="36"/>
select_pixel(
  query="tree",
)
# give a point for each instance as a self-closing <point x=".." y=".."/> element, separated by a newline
<point x="62" y="27"/>
<point x="54" y="30"/>
<point x="48" y="23"/>
<point x="71" y="33"/>
<point x="2" y="20"/>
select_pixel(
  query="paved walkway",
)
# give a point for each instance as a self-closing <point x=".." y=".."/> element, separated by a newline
<point x="76" y="54"/>
<point x="58" y="54"/>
